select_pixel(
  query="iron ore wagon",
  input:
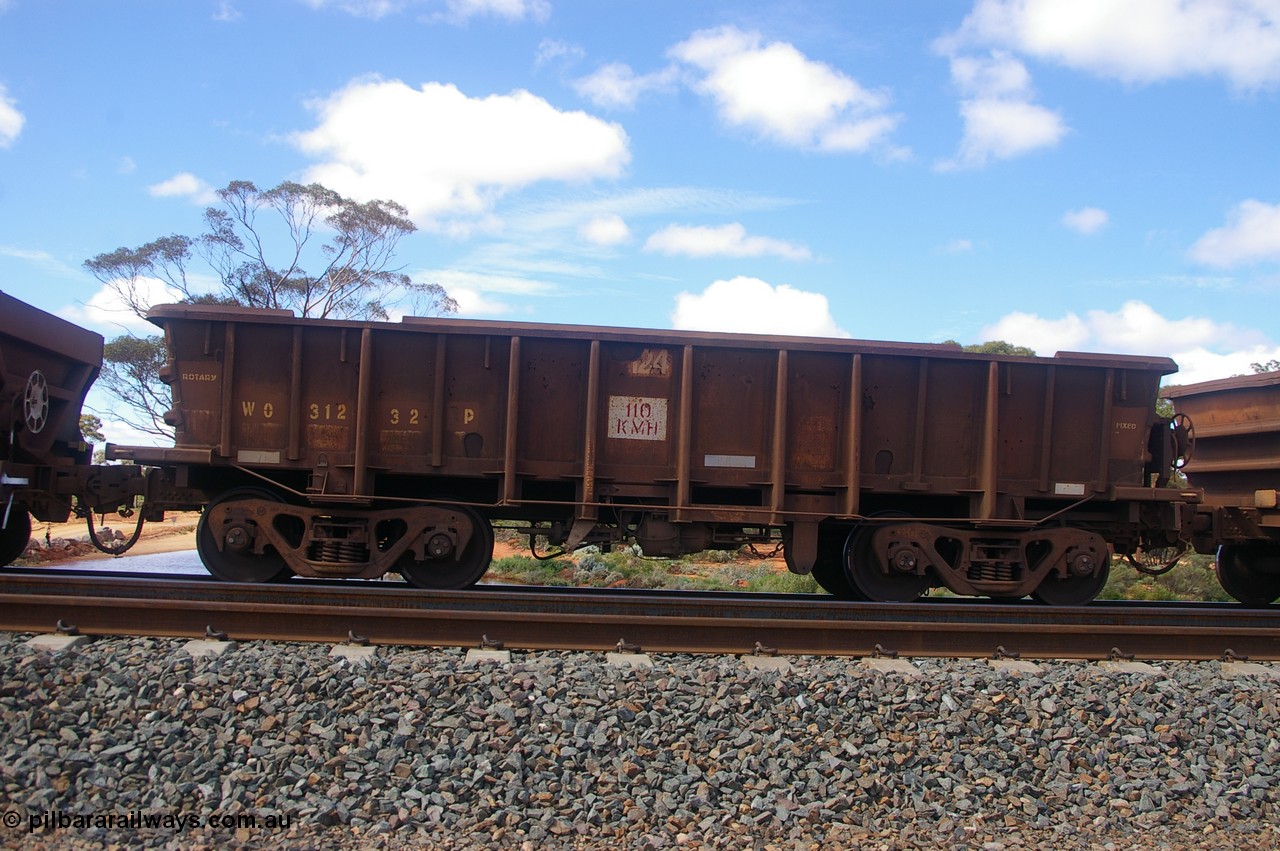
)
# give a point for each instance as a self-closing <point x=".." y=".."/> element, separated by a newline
<point x="350" y="449"/>
<point x="1237" y="464"/>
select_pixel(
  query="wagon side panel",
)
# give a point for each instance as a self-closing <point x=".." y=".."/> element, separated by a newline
<point x="733" y="407"/>
<point x="198" y="380"/>
<point x="1026" y="417"/>
<point x="1236" y="457"/>
<point x="327" y="391"/>
<point x="1075" y="441"/>
<point x="405" y="423"/>
<point x="476" y="386"/>
<point x="817" y="433"/>
<point x="638" y="421"/>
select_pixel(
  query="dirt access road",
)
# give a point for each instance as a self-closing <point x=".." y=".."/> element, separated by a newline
<point x="176" y="533"/>
<point x="69" y="541"/>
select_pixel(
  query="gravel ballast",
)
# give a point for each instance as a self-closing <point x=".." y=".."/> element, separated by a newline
<point x="134" y="742"/>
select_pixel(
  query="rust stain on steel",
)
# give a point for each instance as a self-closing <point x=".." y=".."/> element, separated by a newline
<point x="328" y="437"/>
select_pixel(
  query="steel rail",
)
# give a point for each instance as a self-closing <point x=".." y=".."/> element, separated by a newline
<point x="662" y="621"/>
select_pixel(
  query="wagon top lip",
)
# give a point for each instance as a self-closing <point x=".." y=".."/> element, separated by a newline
<point x="1235" y="382"/>
<point x="25" y="322"/>
<point x="159" y="314"/>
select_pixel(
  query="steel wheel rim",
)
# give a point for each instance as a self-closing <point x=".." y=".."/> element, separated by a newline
<point x="870" y="581"/>
<point x="15" y="536"/>
<point x="1232" y="566"/>
<point x="1074" y="590"/>
<point x="456" y="574"/>
<point x="236" y="567"/>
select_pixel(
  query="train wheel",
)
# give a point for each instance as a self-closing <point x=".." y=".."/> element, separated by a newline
<point x="236" y="561"/>
<point x="14" y="536"/>
<point x="453" y="572"/>
<point x="1072" y="591"/>
<point x="870" y="579"/>
<point x="828" y="570"/>
<point x="1239" y="573"/>
<point x="832" y="579"/>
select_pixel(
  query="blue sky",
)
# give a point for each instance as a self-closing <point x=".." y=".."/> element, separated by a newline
<point x="1073" y="175"/>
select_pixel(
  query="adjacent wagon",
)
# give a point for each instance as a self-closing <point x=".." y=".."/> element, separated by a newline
<point x="47" y="366"/>
<point x="1237" y="464"/>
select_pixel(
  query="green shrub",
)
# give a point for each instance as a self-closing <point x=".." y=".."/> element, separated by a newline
<point x="1191" y="580"/>
<point x="773" y="582"/>
<point x="525" y="570"/>
<point x="715" y="556"/>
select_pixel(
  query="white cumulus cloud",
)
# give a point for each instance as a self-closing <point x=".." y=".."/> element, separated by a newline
<point x="11" y="120"/>
<point x="1251" y="234"/>
<point x="441" y="153"/>
<point x="1200" y="364"/>
<point x="1001" y="121"/>
<point x="775" y="91"/>
<point x="1203" y="348"/>
<point x="1086" y="220"/>
<point x="475" y="303"/>
<point x="725" y="241"/>
<point x="1044" y="336"/>
<point x="616" y="86"/>
<point x="486" y="293"/>
<point x="1137" y="41"/>
<point x="752" y="306"/>
<point x="106" y="312"/>
<point x="1137" y="328"/>
<point x="184" y="185"/>
<point x="609" y="229"/>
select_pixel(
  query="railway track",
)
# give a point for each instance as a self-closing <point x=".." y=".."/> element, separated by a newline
<point x="595" y="619"/>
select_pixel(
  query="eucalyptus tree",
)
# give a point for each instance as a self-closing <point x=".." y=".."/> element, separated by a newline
<point x="297" y="247"/>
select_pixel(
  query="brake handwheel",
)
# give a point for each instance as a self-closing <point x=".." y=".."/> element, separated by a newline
<point x="35" y="402"/>
<point x="1184" y="439"/>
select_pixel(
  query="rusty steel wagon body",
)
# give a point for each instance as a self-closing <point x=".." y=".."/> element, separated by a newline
<point x="47" y="366"/>
<point x="338" y="448"/>
<point x="1237" y="464"/>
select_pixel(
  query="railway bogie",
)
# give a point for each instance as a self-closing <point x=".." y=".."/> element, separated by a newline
<point x="252" y="535"/>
